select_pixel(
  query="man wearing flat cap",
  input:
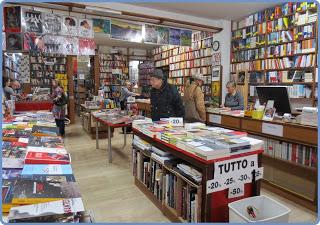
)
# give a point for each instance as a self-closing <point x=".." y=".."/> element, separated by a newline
<point x="194" y="100"/>
<point x="165" y="98"/>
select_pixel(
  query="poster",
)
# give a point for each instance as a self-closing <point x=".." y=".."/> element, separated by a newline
<point x="87" y="46"/>
<point x="53" y="44"/>
<point x="12" y="19"/>
<point x="216" y="59"/>
<point x="186" y="37"/>
<point x="163" y="35"/>
<point x="85" y="28"/>
<point x="174" y="36"/>
<point x="32" y="21"/>
<point x="52" y="24"/>
<point x="70" y="46"/>
<point x="13" y="41"/>
<point x="69" y="26"/>
<point x="126" y="31"/>
<point x="151" y="35"/>
<point x="101" y="26"/>
<point x="33" y="42"/>
<point x="215" y="88"/>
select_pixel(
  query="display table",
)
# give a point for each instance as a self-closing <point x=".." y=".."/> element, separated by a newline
<point x="33" y="105"/>
<point x="109" y="127"/>
<point x="213" y="206"/>
<point x="286" y="176"/>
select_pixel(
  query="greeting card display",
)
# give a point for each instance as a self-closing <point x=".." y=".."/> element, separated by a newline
<point x="32" y="21"/>
<point x="12" y="19"/>
<point x="174" y="36"/>
<point x="151" y="34"/>
<point x="70" y="46"/>
<point x="14" y="41"/>
<point x="52" y="24"/>
<point x="185" y="37"/>
<point x="85" y="28"/>
<point x="101" y="26"/>
<point x="53" y="44"/>
<point x="33" y="42"/>
<point x="70" y="26"/>
<point x="163" y="35"/>
<point x="87" y="46"/>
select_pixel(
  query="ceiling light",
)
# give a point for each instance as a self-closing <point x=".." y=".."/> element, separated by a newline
<point x="103" y="10"/>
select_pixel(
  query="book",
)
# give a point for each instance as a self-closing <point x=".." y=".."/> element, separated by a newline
<point x="11" y="163"/>
<point x="8" y="174"/>
<point x="48" y="142"/>
<point x="47" y="158"/>
<point x="7" y="194"/>
<point x="233" y="145"/>
<point x="54" y="211"/>
<point x="45" y="131"/>
<point x="32" y="191"/>
<point x="46" y="169"/>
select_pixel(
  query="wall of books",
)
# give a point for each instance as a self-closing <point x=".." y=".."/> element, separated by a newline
<point x="184" y="62"/>
<point x="145" y="69"/>
<point x="278" y="46"/>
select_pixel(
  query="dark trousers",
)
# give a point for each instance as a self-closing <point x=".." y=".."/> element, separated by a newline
<point x="122" y="105"/>
<point x="60" y="124"/>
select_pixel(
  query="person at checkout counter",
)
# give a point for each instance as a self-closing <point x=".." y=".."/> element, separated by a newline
<point x="165" y="99"/>
<point x="233" y="99"/>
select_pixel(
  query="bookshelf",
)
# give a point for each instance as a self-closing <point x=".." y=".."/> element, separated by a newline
<point x="10" y="66"/>
<point x="113" y="73"/>
<point x="278" y="46"/>
<point x="44" y="67"/>
<point x="184" y="62"/>
<point x="145" y="69"/>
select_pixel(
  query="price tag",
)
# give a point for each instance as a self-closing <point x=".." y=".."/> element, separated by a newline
<point x="176" y="121"/>
<point x="236" y="191"/>
<point x="272" y="129"/>
<point x="215" y="118"/>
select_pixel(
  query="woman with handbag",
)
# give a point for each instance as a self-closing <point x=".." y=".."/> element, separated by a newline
<point x="59" y="103"/>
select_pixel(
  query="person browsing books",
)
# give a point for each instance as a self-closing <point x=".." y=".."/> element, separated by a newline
<point x="233" y="99"/>
<point x="165" y="98"/>
<point x="125" y="93"/>
<point x="195" y="110"/>
<point x="58" y="109"/>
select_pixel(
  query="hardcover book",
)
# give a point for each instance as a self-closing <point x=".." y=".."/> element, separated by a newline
<point x="47" y="158"/>
<point x="45" y="131"/>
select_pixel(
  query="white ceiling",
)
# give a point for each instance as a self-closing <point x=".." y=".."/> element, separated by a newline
<point x="213" y="10"/>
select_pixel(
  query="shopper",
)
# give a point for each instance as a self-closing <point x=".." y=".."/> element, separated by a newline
<point x="7" y="90"/>
<point x="165" y="98"/>
<point x="59" y="102"/>
<point x="125" y="93"/>
<point x="233" y="100"/>
<point x="194" y="101"/>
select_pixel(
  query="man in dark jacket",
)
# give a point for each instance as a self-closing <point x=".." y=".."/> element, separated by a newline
<point x="165" y="99"/>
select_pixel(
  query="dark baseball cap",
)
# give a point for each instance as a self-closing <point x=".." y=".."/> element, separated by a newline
<point x="158" y="73"/>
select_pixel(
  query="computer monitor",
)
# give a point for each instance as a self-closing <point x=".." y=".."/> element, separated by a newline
<point x="277" y="93"/>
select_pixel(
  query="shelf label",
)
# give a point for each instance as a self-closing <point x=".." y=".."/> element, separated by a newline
<point x="236" y="191"/>
<point x="215" y="118"/>
<point x="272" y="129"/>
<point x="176" y="121"/>
<point x="234" y="172"/>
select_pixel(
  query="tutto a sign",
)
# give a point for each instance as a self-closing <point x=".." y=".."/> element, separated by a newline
<point x="234" y="172"/>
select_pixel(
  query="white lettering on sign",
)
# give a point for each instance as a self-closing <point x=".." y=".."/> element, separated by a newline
<point x="215" y="119"/>
<point x="234" y="172"/>
<point x="236" y="191"/>
<point x="272" y="129"/>
<point x="176" y="121"/>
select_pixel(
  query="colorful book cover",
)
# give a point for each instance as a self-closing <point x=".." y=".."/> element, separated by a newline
<point x="33" y="192"/>
<point x="9" y="174"/>
<point x="45" y="131"/>
<point x="12" y="19"/>
<point x="46" y="212"/>
<point x="101" y="26"/>
<point x="47" y="158"/>
<point x="47" y="142"/>
<point x="7" y="194"/>
<point x="185" y="37"/>
<point x="174" y="36"/>
<point x="46" y="169"/>
<point x="162" y="35"/>
<point x="151" y="35"/>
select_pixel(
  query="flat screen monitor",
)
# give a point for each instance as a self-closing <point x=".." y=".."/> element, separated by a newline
<point x="277" y="93"/>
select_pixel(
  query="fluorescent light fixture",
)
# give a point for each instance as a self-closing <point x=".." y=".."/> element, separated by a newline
<point x="103" y="10"/>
